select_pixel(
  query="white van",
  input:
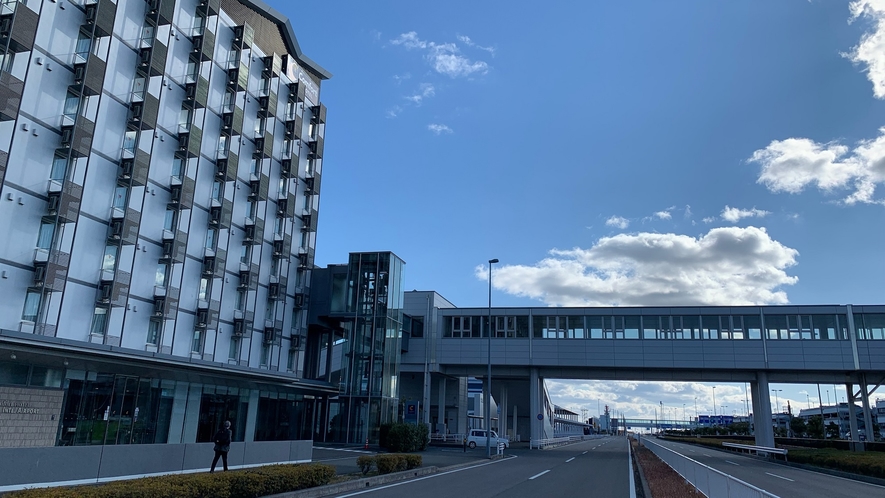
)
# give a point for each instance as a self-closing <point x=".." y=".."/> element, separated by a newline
<point x="477" y="437"/>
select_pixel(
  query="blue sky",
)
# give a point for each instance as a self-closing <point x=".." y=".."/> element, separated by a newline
<point x="596" y="148"/>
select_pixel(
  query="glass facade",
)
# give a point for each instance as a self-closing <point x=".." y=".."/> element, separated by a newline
<point x="369" y="365"/>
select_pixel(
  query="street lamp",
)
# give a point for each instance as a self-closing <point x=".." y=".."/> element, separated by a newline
<point x="777" y="404"/>
<point x="714" y="401"/>
<point x="488" y="396"/>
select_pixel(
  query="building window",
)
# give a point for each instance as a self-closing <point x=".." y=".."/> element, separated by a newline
<point x="284" y="188"/>
<point x="211" y="238"/>
<point x="6" y="61"/>
<point x="246" y="254"/>
<point x="185" y="116"/>
<point x="82" y="48"/>
<point x="290" y="360"/>
<point x="199" y="25"/>
<point x="241" y="300"/>
<point x="304" y="239"/>
<point x="278" y="226"/>
<point x="169" y="220"/>
<point x="233" y="59"/>
<point x="99" y="321"/>
<point x="160" y="276"/>
<point x="59" y="169"/>
<point x="264" y="87"/>
<point x="217" y="191"/>
<point x="155" y="330"/>
<point x="228" y="102"/>
<point x="197" y="343"/>
<point x="130" y="142"/>
<point x="109" y="260"/>
<point x="71" y="108"/>
<point x="138" y="86"/>
<point x="32" y="306"/>
<point x="312" y="130"/>
<point x="205" y="289"/>
<point x="311" y="165"/>
<point x="255" y="167"/>
<point x="265" y="354"/>
<point x="223" y="146"/>
<point x="45" y="235"/>
<point x="233" y="351"/>
<point x="147" y="36"/>
<point x="269" y="309"/>
<point x="121" y="195"/>
<point x="260" y="127"/>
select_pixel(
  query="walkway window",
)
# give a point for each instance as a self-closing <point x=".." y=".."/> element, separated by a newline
<point x="727" y="330"/>
<point x="691" y="327"/>
<point x="752" y="326"/>
<point x="869" y="326"/>
<point x="650" y="326"/>
<point x="710" y="327"/>
<point x="155" y="329"/>
<point x="594" y="325"/>
<point x="776" y="327"/>
<point x="630" y="327"/>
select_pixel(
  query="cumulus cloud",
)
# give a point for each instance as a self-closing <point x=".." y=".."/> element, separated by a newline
<point x="709" y="219"/>
<point x="793" y="164"/>
<point x="444" y="58"/>
<point x="424" y="90"/>
<point x="439" y="129"/>
<point x="665" y="214"/>
<point x="735" y="215"/>
<point x="617" y="221"/>
<point x="726" y="266"/>
<point x="870" y="51"/>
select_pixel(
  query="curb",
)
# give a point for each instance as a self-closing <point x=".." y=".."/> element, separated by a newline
<point x="371" y="482"/>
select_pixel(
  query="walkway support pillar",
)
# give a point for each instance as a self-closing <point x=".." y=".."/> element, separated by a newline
<point x="502" y="419"/>
<point x="441" y="409"/>
<point x="867" y="413"/>
<point x="764" y="431"/>
<point x="535" y="405"/>
<point x="852" y="416"/>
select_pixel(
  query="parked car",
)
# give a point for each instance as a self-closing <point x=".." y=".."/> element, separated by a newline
<point x="477" y="437"/>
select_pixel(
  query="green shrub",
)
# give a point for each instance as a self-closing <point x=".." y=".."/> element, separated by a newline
<point x="390" y="463"/>
<point x="249" y="483"/>
<point x="406" y="437"/>
<point x="413" y="461"/>
<point x="365" y="463"/>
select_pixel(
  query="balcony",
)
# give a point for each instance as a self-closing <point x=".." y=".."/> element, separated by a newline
<point x="159" y="291"/>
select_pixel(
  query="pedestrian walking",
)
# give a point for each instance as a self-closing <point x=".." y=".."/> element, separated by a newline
<point x="222" y="445"/>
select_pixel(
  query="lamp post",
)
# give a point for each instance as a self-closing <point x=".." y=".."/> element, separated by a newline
<point x="488" y="396"/>
<point x="777" y="407"/>
<point x="714" y="401"/>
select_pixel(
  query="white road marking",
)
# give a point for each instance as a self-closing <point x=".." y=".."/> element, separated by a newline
<point x="584" y="453"/>
<point x="570" y="459"/>
<point x="729" y="461"/>
<point x="538" y="475"/>
<point x="780" y="477"/>
<point x="342" y="449"/>
<point x="706" y="455"/>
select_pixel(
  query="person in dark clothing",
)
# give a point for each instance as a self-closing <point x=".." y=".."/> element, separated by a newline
<point x="222" y="445"/>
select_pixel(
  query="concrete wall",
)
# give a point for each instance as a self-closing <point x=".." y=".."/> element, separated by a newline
<point x="65" y="465"/>
<point x="29" y="416"/>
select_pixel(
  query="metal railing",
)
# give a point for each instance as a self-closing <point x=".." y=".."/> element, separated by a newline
<point x="709" y="481"/>
<point x="448" y="438"/>
<point x="558" y="441"/>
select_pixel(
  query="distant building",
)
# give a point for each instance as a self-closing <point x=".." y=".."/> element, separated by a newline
<point x="838" y="415"/>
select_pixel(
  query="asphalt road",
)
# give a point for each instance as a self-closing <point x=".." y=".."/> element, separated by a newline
<point x="783" y="481"/>
<point x="592" y="468"/>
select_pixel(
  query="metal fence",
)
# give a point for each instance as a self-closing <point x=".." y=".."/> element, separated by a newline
<point x="709" y="481"/>
<point x="559" y="441"/>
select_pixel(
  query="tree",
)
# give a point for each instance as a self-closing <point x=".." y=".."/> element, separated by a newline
<point x="797" y="425"/>
<point x="833" y="431"/>
<point x="815" y="427"/>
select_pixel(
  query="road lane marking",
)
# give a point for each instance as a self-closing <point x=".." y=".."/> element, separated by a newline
<point x="570" y="459"/>
<point x="538" y="475"/>
<point x="780" y="477"/>
<point x="584" y="453"/>
<point x="729" y="461"/>
<point x="429" y="477"/>
<point x="706" y="455"/>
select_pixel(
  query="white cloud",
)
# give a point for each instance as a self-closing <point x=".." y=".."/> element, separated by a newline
<point x="467" y="41"/>
<point x="399" y="78"/>
<point x="791" y="165"/>
<point x="709" y="219"/>
<point x="734" y="214"/>
<point x="393" y="111"/>
<point x="665" y="214"/>
<point x="445" y="58"/>
<point x="439" y="129"/>
<point x="726" y="266"/>
<point x="424" y="90"/>
<point x="870" y="51"/>
<point x="617" y="221"/>
<point x="687" y="211"/>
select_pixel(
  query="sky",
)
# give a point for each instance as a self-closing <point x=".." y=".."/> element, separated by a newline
<point x="608" y="153"/>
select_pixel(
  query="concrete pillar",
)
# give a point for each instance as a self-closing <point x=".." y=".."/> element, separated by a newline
<point x="251" y="416"/>
<point x="535" y="405"/>
<point x="463" y="397"/>
<point x="515" y="432"/>
<point x="441" y="409"/>
<point x="867" y="413"/>
<point x="852" y="417"/>
<point x="502" y="420"/>
<point x="762" y="411"/>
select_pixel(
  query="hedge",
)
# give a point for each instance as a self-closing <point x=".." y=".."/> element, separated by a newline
<point x="865" y="463"/>
<point x="387" y="463"/>
<point x="248" y="483"/>
<point x="406" y="437"/>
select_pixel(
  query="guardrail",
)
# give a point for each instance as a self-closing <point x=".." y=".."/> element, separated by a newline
<point x="448" y="438"/>
<point x="709" y="481"/>
<point x="558" y="441"/>
<point x="758" y="449"/>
